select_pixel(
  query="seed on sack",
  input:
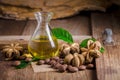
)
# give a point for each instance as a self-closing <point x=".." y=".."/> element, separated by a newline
<point x="40" y="62"/>
<point x="52" y="62"/>
<point x="47" y="61"/>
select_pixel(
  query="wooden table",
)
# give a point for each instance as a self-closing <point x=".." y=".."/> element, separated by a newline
<point x="84" y="24"/>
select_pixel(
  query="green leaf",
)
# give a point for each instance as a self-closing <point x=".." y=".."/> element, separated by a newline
<point x="84" y="42"/>
<point x="35" y="59"/>
<point x="102" y="49"/>
<point x="23" y="64"/>
<point x="62" y="34"/>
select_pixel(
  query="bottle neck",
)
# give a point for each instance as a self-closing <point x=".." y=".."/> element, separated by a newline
<point x="43" y="19"/>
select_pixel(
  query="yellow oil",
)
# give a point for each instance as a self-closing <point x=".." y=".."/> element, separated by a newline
<point x="43" y="47"/>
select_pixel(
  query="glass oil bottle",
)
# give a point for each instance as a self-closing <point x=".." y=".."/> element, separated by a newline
<point x="43" y="44"/>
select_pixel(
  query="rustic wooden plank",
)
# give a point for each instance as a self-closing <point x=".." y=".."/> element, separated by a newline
<point x="8" y="72"/>
<point x="23" y="40"/>
<point x="77" y="25"/>
<point x="11" y="27"/>
<point x="107" y="66"/>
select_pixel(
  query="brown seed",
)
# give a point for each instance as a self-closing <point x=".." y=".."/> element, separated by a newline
<point x="62" y="68"/>
<point x="57" y="65"/>
<point x="56" y="58"/>
<point x="72" y="69"/>
<point x="40" y="62"/>
<point x="28" y="59"/>
<point x="61" y="55"/>
<point x="90" y="66"/>
<point x="47" y="61"/>
<point x="82" y="67"/>
<point x="61" y="61"/>
<point x="52" y="62"/>
<point x="16" y="63"/>
<point x="51" y="58"/>
<point x="65" y="65"/>
<point x="22" y="57"/>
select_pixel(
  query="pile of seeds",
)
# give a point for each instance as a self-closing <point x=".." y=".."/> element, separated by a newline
<point x="72" y="57"/>
<point x="61" y="66"/>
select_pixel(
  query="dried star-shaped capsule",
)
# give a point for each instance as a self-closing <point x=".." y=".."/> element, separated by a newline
<point x="11" y="51"/>
<point x="91" y="51"/>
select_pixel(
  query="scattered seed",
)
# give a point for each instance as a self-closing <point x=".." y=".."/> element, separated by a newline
<point x="16" y="63"/>
<point x="28" y="59"/>
<point x="62" y="68"/>
<point x="47" y="61"/>
<point x="22" y="57"/>
<point x="40" y="62"/>
<point x="57" y="65"/>
<point x="90" y="66"/>
<point x="52" y="62"/>
<point x="82" y="67"/>
<point x="56" y="58"/>
<point x="72" y="69"/>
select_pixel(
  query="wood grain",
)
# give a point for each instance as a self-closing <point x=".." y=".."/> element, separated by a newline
<point x="11" y="27"/>
<point x="107" y="66"/>
<point x="77" y="25"/>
